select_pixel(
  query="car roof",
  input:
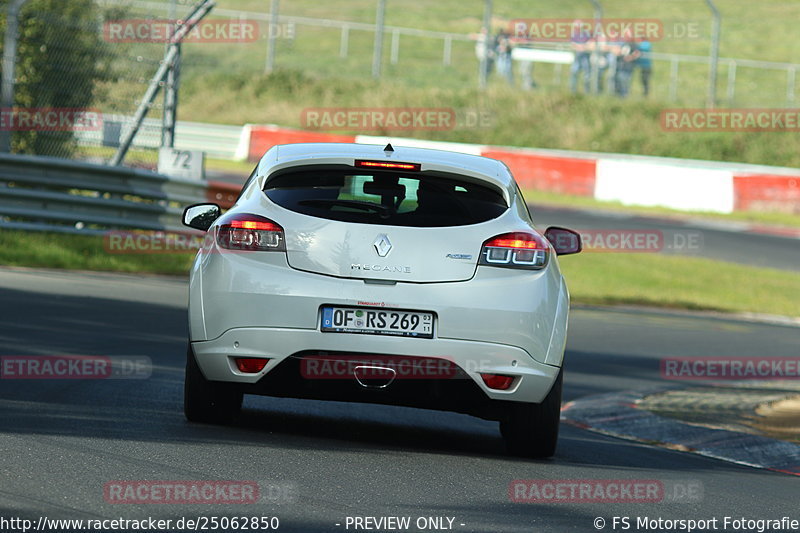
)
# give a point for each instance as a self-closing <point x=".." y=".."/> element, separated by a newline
<point x="287" y="155"/>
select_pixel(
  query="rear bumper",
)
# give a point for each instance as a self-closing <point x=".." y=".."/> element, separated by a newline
<point x="497" y="307"/>
<point x="215" y="358"/>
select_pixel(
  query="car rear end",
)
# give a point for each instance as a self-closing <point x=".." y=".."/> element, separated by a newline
<point x="410" y="277"/>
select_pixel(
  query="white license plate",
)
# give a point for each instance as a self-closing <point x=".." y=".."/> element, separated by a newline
<point x="377" y="322"/>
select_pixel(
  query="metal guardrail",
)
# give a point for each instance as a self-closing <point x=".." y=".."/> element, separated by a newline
<point x="50" y="194"/>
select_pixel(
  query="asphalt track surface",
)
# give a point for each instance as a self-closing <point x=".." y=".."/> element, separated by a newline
<point x="719" y="240"/>
<point x="61" y="441"/>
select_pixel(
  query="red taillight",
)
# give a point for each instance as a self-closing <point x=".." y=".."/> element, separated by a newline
<point x="413" y="167"/>
<point x="516" y="250"/>
<point x="512" y="243"/>
<point x="497" y="381"/>
<point x="251" y="365"/>
<point x="255" y="224"/>
<point x="252" y="233"/>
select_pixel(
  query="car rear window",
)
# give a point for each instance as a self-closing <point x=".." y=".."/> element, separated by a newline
<point x="386" y="197"/>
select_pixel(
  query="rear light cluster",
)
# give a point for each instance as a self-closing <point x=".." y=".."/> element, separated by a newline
<point x="252" y="233"/>
<point x="516" y="250"/>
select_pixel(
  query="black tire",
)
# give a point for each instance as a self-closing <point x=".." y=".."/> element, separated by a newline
<point x="211" y="402"/>
<point x="531" y="429"/>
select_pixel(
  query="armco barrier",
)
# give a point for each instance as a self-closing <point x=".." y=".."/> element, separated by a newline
<point x="634" y="180"/>
<point x="49" y="194"/>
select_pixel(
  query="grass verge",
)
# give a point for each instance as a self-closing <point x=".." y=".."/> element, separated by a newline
<point x="680" y="283"/>
<point x="654" y="280"/>
<point x="82" y="252"/>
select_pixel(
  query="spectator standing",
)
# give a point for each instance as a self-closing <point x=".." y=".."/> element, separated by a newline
<point x="627" y="54"/>
<point x="503" y="48"/>
<point x="645" y="65"/>
<point x="581" y="47"/>
<point x="603" y="58"/>
<point x="484" y="47"/>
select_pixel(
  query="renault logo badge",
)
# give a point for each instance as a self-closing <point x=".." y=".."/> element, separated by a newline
<point x="382" y="245"/>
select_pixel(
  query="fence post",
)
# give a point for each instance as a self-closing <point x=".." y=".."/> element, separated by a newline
<point x="712" y="75"/>
<point x="377" y="53"/>
<point x="395" y="47"/>
<point x="673" y="79"/>
<point x="169" y="117"/>
<point x="345" y="41"/>
<point x="483" y="77"/>
<point x="169" y="114"/>
<point x="731" y="81"/>
<point x="9" y="66"/>
<point x="791" y="76"/>
<point x="274" y="10"/>
<point x="594" y="70"/>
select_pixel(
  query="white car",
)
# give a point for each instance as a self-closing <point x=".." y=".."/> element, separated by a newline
<point x="366" y="273"/>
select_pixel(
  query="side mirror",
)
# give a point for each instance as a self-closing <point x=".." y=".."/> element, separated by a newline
<point x="564" y="241"/>
<point x="201" y="216"/>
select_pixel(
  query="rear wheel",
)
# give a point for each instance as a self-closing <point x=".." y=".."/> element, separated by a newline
<point x="531" y="429"/>
<point x="206" y="401"/>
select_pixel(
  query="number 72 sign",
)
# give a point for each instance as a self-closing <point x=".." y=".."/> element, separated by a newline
<point x="187" y="164"/>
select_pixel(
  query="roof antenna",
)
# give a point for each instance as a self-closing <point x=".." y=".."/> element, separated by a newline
<point x="388" y="148"/>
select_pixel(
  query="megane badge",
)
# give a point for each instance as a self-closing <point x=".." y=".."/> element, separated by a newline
<point x="382" y="245"/>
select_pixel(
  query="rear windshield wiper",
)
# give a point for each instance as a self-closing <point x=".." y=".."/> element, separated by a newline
<point x="382" y="210"/>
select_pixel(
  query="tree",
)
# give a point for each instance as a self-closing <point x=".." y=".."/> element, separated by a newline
<point x="61" y="58"/>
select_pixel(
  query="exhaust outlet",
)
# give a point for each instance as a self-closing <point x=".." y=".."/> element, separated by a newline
<point x="374" y="377"/>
